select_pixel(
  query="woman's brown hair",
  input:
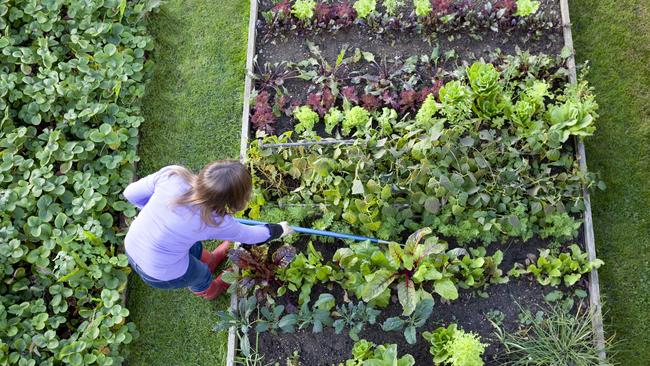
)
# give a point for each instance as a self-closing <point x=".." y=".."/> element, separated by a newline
<point x="221" y="188"/>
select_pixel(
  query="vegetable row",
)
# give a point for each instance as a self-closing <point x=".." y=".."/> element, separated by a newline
<point x="489" y="157"/>
<point x="417" y="270"/>
<point x="405" y="15"/>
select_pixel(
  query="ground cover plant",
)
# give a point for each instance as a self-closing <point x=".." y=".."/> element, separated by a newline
<point x="461" y="156"/>
<point x="71" y="78"/>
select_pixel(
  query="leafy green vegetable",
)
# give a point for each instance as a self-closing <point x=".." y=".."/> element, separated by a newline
<point x="357" y="117"/>
<point x="303" y="9"/>
<point x="453" y="346"/>
<point x="370" y="272"/>
<point x="355" y="318"/>
<point x="456" y="101"/>
<point x="257" y="269"/>
<point x="426" y="111"/>
<point x="422" y="7"/>
<point x="410" y="323"/>
<point x="486" y="165"/>
<point x="306" y="117"/>
<point x="526" y="7"/>
<point x="483" y="78"/>
<point x="318" y="316"/>
<point x="272" y="320"/>
<point x="552" y="270"/>
<point x="304" y="272"/>
<point x="365" y="353"/>
<point x="365" y="7"/>
<point x="392" y="6"/>
<point x="332" y="119"/>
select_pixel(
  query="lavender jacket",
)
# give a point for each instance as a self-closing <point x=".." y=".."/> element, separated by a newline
<point x="160" y="237"/>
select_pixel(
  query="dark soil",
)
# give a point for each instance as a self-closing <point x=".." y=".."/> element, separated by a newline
<point x="469" y="312"/>
<point x="294" y="48"/>
<point x="468" y="44"/>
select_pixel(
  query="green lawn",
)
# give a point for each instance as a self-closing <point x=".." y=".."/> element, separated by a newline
<point x="193" y="116"/>
<point x="615" y="36"/>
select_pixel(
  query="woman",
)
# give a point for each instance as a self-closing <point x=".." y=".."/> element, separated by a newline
<point x="178" y="211"/>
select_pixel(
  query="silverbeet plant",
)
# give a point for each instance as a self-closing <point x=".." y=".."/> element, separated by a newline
<point x="410" y="323"/>
<point x="355" y="318"/>
<point x="406" y="266"/>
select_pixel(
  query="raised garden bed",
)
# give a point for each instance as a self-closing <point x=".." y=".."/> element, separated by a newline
<point x="430" y="141"/>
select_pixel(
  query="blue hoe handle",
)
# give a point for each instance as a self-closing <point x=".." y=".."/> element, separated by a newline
<point x="304" y="230"/>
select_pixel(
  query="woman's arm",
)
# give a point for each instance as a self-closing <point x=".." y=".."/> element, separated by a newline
<point x="232" y="230"/>
<point x="139" y="192"/>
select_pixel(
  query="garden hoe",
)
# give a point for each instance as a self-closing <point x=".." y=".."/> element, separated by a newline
<point x="331" y="234"/>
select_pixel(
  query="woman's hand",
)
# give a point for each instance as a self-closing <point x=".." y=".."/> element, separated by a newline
<point x="286" y="229"/>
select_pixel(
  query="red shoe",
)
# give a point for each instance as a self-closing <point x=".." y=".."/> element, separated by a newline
<point x="217" y="256"/>
<point x="216" y="288"/>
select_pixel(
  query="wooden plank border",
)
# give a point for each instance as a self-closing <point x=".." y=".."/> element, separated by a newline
<point x="590" y="244"/>
<point x="248" y="87"/>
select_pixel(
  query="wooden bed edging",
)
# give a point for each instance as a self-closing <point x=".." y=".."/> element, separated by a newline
<point x="594" y="285"/>
<point x="248" y="86"/>
<point x="590" y="244"/>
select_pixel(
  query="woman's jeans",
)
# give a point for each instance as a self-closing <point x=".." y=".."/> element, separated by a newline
<point x="197" y="277"/>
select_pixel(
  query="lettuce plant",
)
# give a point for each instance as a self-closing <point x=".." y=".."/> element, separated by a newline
<point x="483" y="78"/>
<point x="427" y="110"/>
<point x="549" y="269"/>
<point x="456" y="100"/>
<point x="332" y="119"/>
<point x="574" y="117"/>
<point x="365" y="353"/>
<point x="303" y="9"/>
<point x="306" y="117"/>
<point x="455" y="347"/>
<point x="365" y="7"/>
<point x="304" y="272"/>
<point x="422" y="7"/>
<point x="357" y="117"/>
<point x="392" y="6"/>
<point x="526" y="7"/>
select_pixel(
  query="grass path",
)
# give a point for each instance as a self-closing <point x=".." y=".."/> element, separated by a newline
<point x="615" y="36"/>
<point x="193" y="116"/>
